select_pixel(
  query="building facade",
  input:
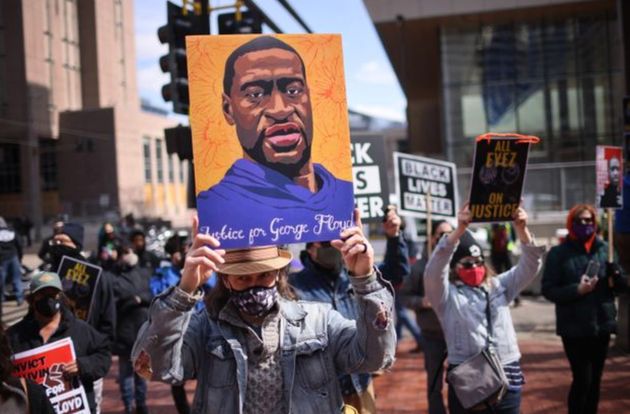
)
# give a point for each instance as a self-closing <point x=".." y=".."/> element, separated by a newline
<point x="553" y="69"/>
<point x="74" y="138"/>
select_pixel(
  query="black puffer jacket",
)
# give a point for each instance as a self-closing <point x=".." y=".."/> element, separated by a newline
<point x="580" y="315"/>
<point x="133" y="295"/>
<point x="91" y="347"/>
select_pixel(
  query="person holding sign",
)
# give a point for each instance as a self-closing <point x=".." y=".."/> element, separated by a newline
<point x="255" y="349"/>
<point x="49" y="320"/>
<point x="462" y="305"/>
<point x="581" y="281"/>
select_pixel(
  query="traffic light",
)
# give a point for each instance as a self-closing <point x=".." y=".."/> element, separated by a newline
<point x="179" y="141"/>
<point x="250" y="23"/>
<point x="180" y="23"/>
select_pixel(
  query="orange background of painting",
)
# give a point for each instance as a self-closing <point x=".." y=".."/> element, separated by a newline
<point x="215" y="144"/>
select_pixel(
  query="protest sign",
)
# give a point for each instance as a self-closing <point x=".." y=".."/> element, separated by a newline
<point x="271" y="139"/>
<point x="609" y="176"/>
<point x="499" y="166"/>
<point x="420" y="178"/>
<point x="371" y="193"/>
<point x="43" y="365"/>
<point x="79" y="280"/>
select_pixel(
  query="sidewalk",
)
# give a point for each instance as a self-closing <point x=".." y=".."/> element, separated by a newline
<point x="403" y="390"/>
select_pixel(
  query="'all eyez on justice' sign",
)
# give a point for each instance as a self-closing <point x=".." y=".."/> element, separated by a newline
<point x="371" y="194"/>
<point x="500" y="162"/>
<point x="419" y="179"/>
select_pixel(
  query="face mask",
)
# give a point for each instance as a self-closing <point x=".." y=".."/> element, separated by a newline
<point x="130" y="259"/>
<point x="256" y="301"/>
<point x="472" y="277"/>
<point x="329" y="258"/>
<point x="583" y="231"/>
<point x="47" y="306"/>
<point x="57" y="251"/>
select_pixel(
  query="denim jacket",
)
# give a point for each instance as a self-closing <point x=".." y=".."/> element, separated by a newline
<point x="461" y="309"/>
<point x="316" y="343"/>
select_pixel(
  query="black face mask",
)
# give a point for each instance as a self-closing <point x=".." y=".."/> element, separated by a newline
<point x="330" y="259"/>
<point x="47" y="306"/>
<point x="57" y="251"/>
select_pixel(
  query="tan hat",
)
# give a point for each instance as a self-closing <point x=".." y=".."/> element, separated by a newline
<point x="254" y="260"/>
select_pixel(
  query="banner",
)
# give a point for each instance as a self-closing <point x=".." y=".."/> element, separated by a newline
<point x="271" y="139"/>
<point x="371" y="192"/>
<point x="416" y="177"/>
<point x="499" y="166"/>
<point x="43" y="365"/>
<point x="79" y="280"/>
<point x="609" y="176"/>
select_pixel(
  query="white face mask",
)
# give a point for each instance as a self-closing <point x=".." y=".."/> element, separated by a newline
<point x="130" y="259"/>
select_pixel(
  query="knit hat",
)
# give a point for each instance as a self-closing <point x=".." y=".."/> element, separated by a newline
<point x="75" y="232"/>
<point x="468" y="246"/>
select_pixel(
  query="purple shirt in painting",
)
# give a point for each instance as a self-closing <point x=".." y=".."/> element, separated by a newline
<point x="254" y="205"/>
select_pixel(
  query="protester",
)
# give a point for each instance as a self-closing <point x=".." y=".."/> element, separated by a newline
<point x="622" y="225"/>
<point x="109" y="245"/>
<point x="133" y="296"/>
<point x="581" y="282"/>
<point x="461" y="304"/>
<point x="17" y="395"/>
<point x="146" y="259"/>
<point x="501" y="246"/>
<point x="325" y="279"/>
<point x="10" y="262"/>
<point x="49" y="320"/>
<point x="255" y="349"/>
<point x="412" y="295"/>
<point x="44" y="251"/>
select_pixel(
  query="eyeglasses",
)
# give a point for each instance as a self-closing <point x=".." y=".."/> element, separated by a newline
<point x="470" y="263"/>
<point x="439" y="235"/>
<point x="584" y="220"/>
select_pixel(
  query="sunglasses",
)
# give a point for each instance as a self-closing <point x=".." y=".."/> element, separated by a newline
<point x="584" y="220"/>
<point x="439" y="235"/>
<point x="470" y="263"/>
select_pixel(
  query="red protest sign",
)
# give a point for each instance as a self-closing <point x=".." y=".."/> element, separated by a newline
<point x="43" y="365"/>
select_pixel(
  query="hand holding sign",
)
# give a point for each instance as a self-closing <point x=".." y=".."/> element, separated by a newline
<point x="464" y="218"/>
<point x="356" y="250"/>
<point x="201" y="260"/>
<point x="520" y="225"/>
<point x="391" y="223"/>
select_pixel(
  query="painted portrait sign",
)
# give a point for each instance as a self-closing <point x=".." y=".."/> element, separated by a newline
<point x="609" y="165"/>
<point x="498" y="175"/>
<point x="44" y="365"/>
<point x="271" y="138"/>
<point x="371" y="192"/>
<point x="425" y="185"/>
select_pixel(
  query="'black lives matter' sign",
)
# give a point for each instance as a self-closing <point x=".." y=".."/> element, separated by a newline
<point x="371" y="194"/>
<point x="79" y="280"/>
<point x="497" y="179"/>
<point x="417" y="177"/>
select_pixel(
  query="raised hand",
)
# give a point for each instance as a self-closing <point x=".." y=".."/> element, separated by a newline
<point x="356" y="250"/>
<point x="392" y="223"/>
<point x="201" y="260"/>
<point x="520" y="225"/>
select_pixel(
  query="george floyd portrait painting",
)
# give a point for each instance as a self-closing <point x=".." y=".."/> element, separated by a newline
<point x="270" y="138"/>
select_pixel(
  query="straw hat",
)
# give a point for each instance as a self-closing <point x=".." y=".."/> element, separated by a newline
<point x="254" y="260"/>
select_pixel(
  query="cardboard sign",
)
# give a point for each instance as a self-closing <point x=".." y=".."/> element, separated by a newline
<point x="609" y="176"/>
<point x="43" y="365"/>
<point x="416" y="177"/>
<point x="271" y="139"/>
<point x="79" y="280"/>
<point x="371" y="192"/>
<point x="498" y="175"/>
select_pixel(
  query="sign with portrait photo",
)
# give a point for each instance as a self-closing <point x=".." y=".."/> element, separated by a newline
<point x="371" y="191"/>
<point x="419" y="179"/>
<point x="79" y="280"/>
<point x="609" y="176"/>
<point x="44" y="365"/>
<point x="271" y="139"/>
<point x="498" y="175"/>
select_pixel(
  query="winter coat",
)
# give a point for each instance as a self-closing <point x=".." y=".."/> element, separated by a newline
<point x="133" y="296"/>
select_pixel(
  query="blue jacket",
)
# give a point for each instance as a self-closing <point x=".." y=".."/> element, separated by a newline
<point x="315" y="284"/>
<point x="316" y="343"/>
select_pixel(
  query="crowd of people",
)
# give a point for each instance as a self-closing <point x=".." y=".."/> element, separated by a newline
<point x="259" y="339"/>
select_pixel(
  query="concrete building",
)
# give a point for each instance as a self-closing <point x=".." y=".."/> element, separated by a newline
<point x="74" y="138"/>
<point x="551" y="68"/>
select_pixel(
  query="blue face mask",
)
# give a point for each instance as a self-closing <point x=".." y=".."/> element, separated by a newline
<point x="583" y="231"/>
<point x="256" y="301"/>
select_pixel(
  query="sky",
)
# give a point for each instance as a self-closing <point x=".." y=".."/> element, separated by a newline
<point x="371" y="84"/>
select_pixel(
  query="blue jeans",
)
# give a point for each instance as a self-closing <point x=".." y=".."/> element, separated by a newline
<point x="510" y="404"/>
<point x="403" y="319"/>
<point x="434" y="350"/>
<point x="11" y="268"/>
<point x="126" y="381"/>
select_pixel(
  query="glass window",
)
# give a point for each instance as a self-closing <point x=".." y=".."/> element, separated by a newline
<point x="10" y="181"/>
<point x="48" y="165"/>
<point x="158" y="161"/>
<point x="146" y="150"/>
<point x="182" y="165"/>
<point x="171" y="169"/>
